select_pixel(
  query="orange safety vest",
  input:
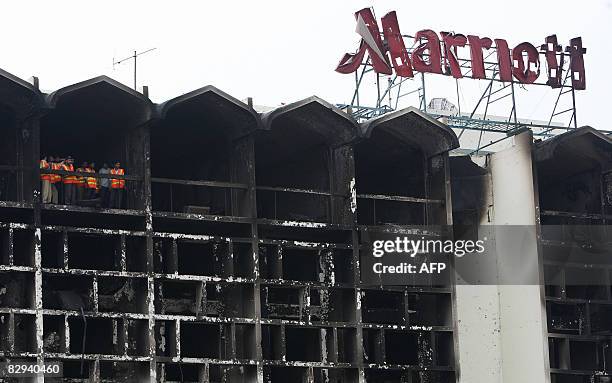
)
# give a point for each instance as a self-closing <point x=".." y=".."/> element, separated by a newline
<point x="70" y="179"/>
<point x="115" y="183"/>
<point x="92" y="183"/>
<point x="44" y="176"/>
<point x="55" y="178"/>
<point x="80" y="181"/>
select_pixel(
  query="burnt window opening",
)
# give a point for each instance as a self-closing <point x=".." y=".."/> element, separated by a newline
<point x="204" y="299"/>
<point x="275" y="374"/>
<point x="430" y="309"/>
<point x="444" y="349"/>
<point x="112" y="371"/>
<point x="72" y="369"/>
<point x="303" y="163"/>
<point x="283" y="303"/>
<point x="292" y="159"/>
<point x="137" y="332"/>
<point x="118" y="294"/>
<point x="384" y="166"/>
<point x="231" y="373"/>
<point x="373" y="343"/>
<point x="583" y="355"/>
<point x="180" y="297"/>
<point x="272" y="342"/>
<point x="403" y="348"/>
<point x="98" y="335"/>
<point x="17" y="290"/>
<point x="165" y="255"/>
<point x="238" y="300"/>
<point x="347" y="345"/>
<point x="23" y="247"/>
<point x="94" y="251"/>
<point x="136" y="253"/>
<point x="6" y="246"/>
<point x="579" y="355"/>
<point x="558" y="353"/>
<point x="15" y="141"/>
<point x="54" y="334"/>
<point x="25" y="333"/>
<point x="577" y="193"/>
<point x="566" y="318"/>
<point x="209" y="258"/>
<point x="305" y="264"/>
<point x="383" y="307"/>
<point x="5" y="328"/>
<point x="245" y="342"/>
<point x="200" y="340"/>
<point x="303" y="344"/>
<point x="52" y="249"/>
<point x="601" y="319"/>
<point x="200" y="154"/>
<point x="202" y="258"/>
<point x="342" y="305"/>
<point x="270" y="262"/>
<point x="9" y="155"/>
<point x="587" y="283"/>
<point x="165" y="338"/>
<point x="573" y="175"/>
<point x="179" y="372"/>
<point x="301" y="264"/>
<point x="68" y="292"/>
<point x="99" y="121"/>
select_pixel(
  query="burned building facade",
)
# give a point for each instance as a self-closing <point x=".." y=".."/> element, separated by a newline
<point x="236" y="255"/>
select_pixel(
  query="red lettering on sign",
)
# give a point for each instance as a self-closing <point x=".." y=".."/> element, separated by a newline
<point x="451" y="42"/>
<point x="399" y="54"/>
<point x="476" y="46"/>
<point x="521" y="63"/>
<point x="432" y="46"/>
<point x="521" y="70"/>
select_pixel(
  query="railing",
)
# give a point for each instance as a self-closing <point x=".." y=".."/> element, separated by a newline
<point x="133" y="192"/>
<point x="275" y="190"/>
<point x="395" y="198"/>
<point x="227" y="187"/>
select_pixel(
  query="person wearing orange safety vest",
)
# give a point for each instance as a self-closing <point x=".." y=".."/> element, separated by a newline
<point x="117" y="187"/>
<point x="80" y="183"/>
<point x="45" y="179"/>
<point x="91" y="183"/>
<point x="70" y="182"/>
<point x="54" y="179"/>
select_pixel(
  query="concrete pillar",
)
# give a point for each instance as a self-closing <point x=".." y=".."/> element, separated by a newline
<point x="502" y="328"/>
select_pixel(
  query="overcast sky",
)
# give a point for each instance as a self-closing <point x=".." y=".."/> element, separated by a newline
<point x="283" y="51"/>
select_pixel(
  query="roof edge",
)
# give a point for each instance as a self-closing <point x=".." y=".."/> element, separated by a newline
<point x="268" y="118"/>
<point x="164" y="107"/>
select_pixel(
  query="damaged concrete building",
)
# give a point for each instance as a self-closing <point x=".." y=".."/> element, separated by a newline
<point x="237" y="257"/>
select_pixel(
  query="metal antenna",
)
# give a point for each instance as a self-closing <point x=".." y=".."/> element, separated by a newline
<point x="133" y="57"/>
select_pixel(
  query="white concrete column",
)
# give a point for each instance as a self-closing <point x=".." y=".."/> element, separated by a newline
<point x="502" y="329"/>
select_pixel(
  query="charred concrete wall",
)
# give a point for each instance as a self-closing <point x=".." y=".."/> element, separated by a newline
<point x="236" y="256"/>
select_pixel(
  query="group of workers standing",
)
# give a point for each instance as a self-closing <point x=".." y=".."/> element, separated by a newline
<point x="67" y="189"/>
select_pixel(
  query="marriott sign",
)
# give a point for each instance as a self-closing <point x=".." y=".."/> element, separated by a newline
<point x="438" y="54"/>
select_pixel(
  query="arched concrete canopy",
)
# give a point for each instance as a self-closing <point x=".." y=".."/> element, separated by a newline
<point x="414" y="128"/>
<point x="313" y="115"/>
<point x="18" y="96"/>
<point x="101" y="101"/>
<point x="210" y="107"/>
<point x="573" y="152"/>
